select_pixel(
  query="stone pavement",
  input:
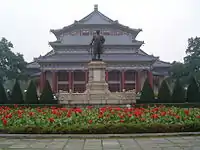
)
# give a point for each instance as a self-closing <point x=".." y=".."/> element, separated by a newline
<point x="154" y="143"/>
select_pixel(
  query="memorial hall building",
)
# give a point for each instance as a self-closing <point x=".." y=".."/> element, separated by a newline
<point x="65" y="66"/>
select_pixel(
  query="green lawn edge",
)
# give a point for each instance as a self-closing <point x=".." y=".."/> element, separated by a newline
<point x="121" y="128"/>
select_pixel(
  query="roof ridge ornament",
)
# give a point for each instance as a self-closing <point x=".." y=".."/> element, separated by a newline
<point x="96" y="7"/>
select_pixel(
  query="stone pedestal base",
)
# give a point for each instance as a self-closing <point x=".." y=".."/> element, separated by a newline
<point x="97" y="88"/>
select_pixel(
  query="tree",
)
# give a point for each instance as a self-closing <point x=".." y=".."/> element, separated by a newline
<point x="3" y="96"/>
<point x="16" y="95"/>
<point x="177" y="70"/>
<point x="31" y="94"/>
<point x="164" y="95"/>
<point x="193" y="91"/>
<point x="12" y="65"/>
<point x="47" y="95"/>
<point x="192" y="60"/>
<point x="147" y="94"/>
<point x="178" y="95"/>
<point x="191" y="65"/>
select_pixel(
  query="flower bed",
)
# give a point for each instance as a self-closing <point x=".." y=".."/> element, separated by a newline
<point x="98" y="120"/>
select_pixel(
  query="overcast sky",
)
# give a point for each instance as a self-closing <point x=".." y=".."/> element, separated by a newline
<point x="166" y="24"/>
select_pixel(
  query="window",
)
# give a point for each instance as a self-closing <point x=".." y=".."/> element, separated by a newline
<point x="63" y="76"/>
<point x="114" y="87"/>
<point x="79" y="75"/>
<point x="130" y="75"/>
<point x="114" y="75"/>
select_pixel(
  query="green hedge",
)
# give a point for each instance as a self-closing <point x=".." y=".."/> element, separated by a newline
<point x="180" y="105"/>
<point x="32" y="105"/>
<point x="107" y="129"/>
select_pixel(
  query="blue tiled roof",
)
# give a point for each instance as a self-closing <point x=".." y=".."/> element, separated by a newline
<point x="86" y="57"/>
<point x="109" y="40"/>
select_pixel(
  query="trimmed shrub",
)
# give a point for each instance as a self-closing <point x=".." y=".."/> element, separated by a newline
<point x="147" y="94"/>
<point x="178" y="95"/>
<point x="31" y="94"/>
<point x="16" y="95"/>
<point x="47" y="95"/>
<point x="3" y="96"/>
<point x="164" y="95"/>
<point x="193" y="91"/>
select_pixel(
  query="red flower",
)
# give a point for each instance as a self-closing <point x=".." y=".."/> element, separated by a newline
<point x="186" y="112"/>
<point x="69" y="114"/>
<point x="90" y="121"/>
<point x="5" y="122"/>
<point x="19" y="112"/>
<point x="89" y="107"/>
<point x="130" y="115"/>
<point x="163" y="113"/>
<point x="154" y="116"/>
<point x="51" y="120"/>
<point x="31" y="113"/>
<point x="9" y="115"/>
<point x="177" y="117"/>
<point x="15" y="105"/>
<point x="121" y="120"/>
<point x="78" y="110"/>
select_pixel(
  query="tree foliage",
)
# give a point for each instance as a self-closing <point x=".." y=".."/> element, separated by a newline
<point x="178" y="95"/>
<point x="12" y="65"/>
<point x="16" y="95"/>
<point x="147" y="94"/>
<point x="164" y="95"/>
<point x="3" y="96"/>
<point x="47" y="95"/>
<point x="31" y="94"/>
<point x="193" y="91"/>
<point x="191" y="65"/>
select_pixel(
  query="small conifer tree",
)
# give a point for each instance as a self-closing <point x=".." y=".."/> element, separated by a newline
<point x="16" y="95"/>
<point x="147" y="94"/>
<point x="193" y="91"/>
<point x="164" y="95"/>
<point x="31" y="94"/>
<point x="3" y="96"/>
<point x="178" y="94"/>
<point x="47" y="95"/>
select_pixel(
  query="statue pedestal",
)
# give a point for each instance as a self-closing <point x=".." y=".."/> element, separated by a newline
<point x="97" y="88"/>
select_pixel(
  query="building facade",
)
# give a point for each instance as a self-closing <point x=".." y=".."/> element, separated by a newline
<point x="65" y="66"/>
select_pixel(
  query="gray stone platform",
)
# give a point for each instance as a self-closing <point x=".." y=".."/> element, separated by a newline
<point x="159" y="143"/>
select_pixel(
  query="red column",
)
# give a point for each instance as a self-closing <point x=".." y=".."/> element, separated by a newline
<point x="123" y="80"/>
<point x="70" y="79"/>
<point x="106" y="76"/>
<point x="150" y="77"/>
<point x="41" y="81"/>
<point x="138" y="81"/>
<point x="54" y="81"/>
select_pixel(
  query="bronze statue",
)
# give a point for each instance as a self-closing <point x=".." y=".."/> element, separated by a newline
<point x="97" y="42"/>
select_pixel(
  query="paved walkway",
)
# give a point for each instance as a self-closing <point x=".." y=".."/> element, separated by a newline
<point x="160" y="143"/>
